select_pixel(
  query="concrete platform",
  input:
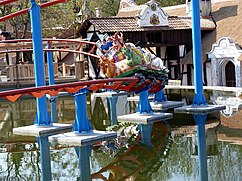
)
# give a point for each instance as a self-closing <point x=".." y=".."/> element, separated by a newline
<point x="34" y="130"/>
<point x="136" y="98"/>
<point x="199" y="109"/>
<point x="74" y="139"/>
<point x="109" y="94"/>
<point x="144" y="118"/>
<point x="165" y="105"/>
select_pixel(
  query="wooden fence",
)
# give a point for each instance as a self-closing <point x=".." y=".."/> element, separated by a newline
<point x="25" y="72"/>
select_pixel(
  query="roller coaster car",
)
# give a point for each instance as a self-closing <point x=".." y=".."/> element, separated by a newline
<point x="130" y="61"/>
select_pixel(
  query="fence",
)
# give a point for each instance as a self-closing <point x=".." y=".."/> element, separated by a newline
<point x="25" y="72"/>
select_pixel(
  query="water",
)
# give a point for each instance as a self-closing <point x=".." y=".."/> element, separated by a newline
<point x="173" y="155"/>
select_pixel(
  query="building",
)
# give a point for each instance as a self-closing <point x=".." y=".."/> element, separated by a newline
<point x="221" y="48"/>
<point x="167" y="33"/>
<point x="157" y="29"/>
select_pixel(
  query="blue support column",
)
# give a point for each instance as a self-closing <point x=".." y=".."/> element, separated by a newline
<point x="113" y="110"/>
<point x="44" y="147"/>
<point x="84" y="154"/>
<point x="81" y="123"/>
<point x="145" y="131"/>
<point x="160" y="96"/>
<point x="199" y="98"/>
<point x="144" y="104"/>
<point x="42" y="117"/>
<point x="51" y="74"/>
<point x="201" y="141"/>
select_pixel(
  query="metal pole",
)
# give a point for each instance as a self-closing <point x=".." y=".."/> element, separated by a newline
<point x="201" y="142"/>
<point x="145" y="131"/>
<point x="42" y="113"/>
<point x="84" y="153"/>
<point x="160" y="96"/>
<point x="144" y="104"/>
<point x="44" y="147"/>
<point x="113" y="110"/>
<point x="199" y="98"/>
<point x="51" y="73"/>
<point x="81" y="123"/>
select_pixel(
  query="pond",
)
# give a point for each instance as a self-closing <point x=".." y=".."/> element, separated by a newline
<point x="172" y="154"/>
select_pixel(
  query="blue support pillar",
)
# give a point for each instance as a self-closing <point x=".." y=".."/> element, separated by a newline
<point x="42" y="117"/>
<point x="160" y="96"/>
<point x="84" y="154"/>
<point x="51" y="74"/>
<point x="81" y="123"/>
<point x="113" y="110"/>
<point x="144" y="104"/>
<point x="44" y="147"/>
<point x="199" y="98"/>
<point x="145" y="131"/>
<point x="201" y="141"/>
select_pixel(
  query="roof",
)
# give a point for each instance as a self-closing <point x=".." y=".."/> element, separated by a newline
<point x="132" y="11"/>
<point x="125" y="24"/>
<point x="227" y="15"/>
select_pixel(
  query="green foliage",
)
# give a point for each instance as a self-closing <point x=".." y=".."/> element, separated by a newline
<point x="20" y="23"/>
<point x="58" y="18"/>
<point x="108" y="7"/>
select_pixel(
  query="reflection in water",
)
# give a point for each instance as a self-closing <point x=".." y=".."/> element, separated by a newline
<point x="202" y="151"/>
<point x="84" y="153"/>
<point x="44" y="147"/>
<point x="172" y="157"/>
<point x="137" y="161"/>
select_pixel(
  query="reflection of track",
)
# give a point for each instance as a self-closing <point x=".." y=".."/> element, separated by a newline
<point x="138" y="162"/>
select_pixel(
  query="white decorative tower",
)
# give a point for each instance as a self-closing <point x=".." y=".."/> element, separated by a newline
<point x="205" y="7"/>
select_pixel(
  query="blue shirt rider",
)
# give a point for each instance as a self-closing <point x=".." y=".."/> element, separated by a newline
<point x="106" y="45"/>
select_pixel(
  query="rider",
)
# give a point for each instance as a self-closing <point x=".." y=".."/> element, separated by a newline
<point x="106" y="45"/>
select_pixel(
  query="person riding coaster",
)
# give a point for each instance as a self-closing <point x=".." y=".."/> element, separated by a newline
<point x="131" y="60"/>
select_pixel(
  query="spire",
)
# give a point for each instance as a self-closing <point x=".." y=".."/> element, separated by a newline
<point x="85" y="11"/>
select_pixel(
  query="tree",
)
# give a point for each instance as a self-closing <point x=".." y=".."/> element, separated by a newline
<point x="19" y="24"/>
<point x="55" y="19"/>
<point x="108" y="7"/>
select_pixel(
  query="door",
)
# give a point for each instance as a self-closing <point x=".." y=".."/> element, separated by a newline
<point x="230" y="74"/>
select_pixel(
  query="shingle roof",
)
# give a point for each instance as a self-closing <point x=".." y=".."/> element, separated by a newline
<point x="123" y="24"/>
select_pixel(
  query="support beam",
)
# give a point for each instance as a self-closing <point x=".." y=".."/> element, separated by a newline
<point x="42" y="117"/>
<point x="199" y="98"/>
<point x="201" y="140"/>
<point x="52" y="99"/>
<point x="82" y="124"/>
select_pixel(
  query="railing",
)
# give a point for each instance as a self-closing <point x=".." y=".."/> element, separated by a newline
<point x="25" y="72"/>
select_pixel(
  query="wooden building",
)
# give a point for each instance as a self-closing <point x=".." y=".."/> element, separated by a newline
<point x="157" y="29"/>
<point x="221" y="48"/>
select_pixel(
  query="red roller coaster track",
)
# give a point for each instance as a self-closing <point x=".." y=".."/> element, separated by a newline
<point x="50" y="41"/>
<point x="126" y="84"/>
<point x="121" y="84"/>
<point x="27" y="9"/>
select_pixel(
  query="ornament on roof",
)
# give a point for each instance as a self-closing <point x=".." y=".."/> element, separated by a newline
<point x="152" y="15"/>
